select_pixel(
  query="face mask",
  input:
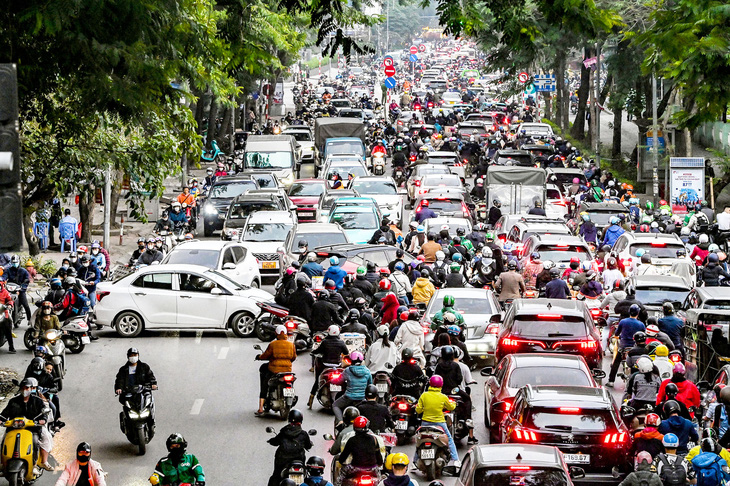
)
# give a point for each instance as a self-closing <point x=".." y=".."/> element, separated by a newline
<point x="16" y="265"/>
<point x="73" y="259"/>
<point x="26" y="393"/>
<point x="133" y="359"/>
<point x="37" y="372"/>
<point x="83" y="460"/>
<point x="46" y="311"/>
<point x="65" y="267"/>
<point x="86" y="264"/>
<point x="150" y="247"/>
<point x="95" y="251"/>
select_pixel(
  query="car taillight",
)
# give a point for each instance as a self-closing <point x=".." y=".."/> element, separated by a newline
<point x="616" y="438"/>
<point x="512" y="342"/>
<point x="322" y="253"/>
<point x="291" y="324"/>
<point x="101" y="294"/>
<point x="569" y="410"/>
<point x="658" y="245"/>
<point x="561" y="203"/>
<point x="550" y="316"/>
<point x="526" y="435"/>
<point x="465" y="210"/>
<point x="493" y="329"/>
<point x="402" y="406"/>
<point x="519" y="468"/>
<point x="288" y="378"/>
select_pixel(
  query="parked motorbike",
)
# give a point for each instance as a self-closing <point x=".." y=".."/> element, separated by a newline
<point x="432" y="451"/>
<point x="215" y="154"/>
<point x="271" y="316"/>
<point x="137" y="418"/>
<point x="403" y="411"/>
<point x="378" y="163"/>
<point x="281" y="396"/>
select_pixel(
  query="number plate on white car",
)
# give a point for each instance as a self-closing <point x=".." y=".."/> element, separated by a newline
<point x="577" y="458"/>
<point x="335" y="388"/>
<point x="288" y="392"/>
<point x="428" y="453"/>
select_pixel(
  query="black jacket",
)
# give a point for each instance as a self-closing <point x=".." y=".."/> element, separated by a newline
<point x="150" y="256"/>
<point x="364" y="286"/>
<point x="622" y="308"/>
<point x="451" y="373"/>
<point x="494" y="214"/>
<point x="557" y="289"/>
<point x="358" y="328"/>
<point x="364" y="450"/>
<point x="378" y="415"/>
<point x="292" y="443"/>
<point x="350" y="293"/>
<point x="143" y="376"/>
<point x="383" y="231"/>
<point x="711" y="275"/>
<point x="324" y="314"/>
<point x="455" y="280"/>
<point x="331" y="350"/>
<point x="31" y="409"/>
<point x="300" y="304"/>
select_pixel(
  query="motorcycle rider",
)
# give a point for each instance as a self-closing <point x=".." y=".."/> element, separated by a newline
<point x="132" y="374"/>
<point x="177" y="216"/>
<point x="410" y="335"/>
<point x="292" y="442"/>
<point x="16" y="274"/>
<point x="670" y="394"/>
<point x="407" y="376"/>
<point x="591" y="288"/>
<point x="164" y="223"/>
<point x="315" y="472"/>
<point x="358" y="377"/>
<point x="6" y="321"/>
<point x="138" y="252"/>
<point x="432" y="404"/>
<point x="713" y="271"/>
<point x="377" y="413"/>
<point x="46" y="319"/>
<point x="363" y="284"/>
<point x="687" y="392"/>
<point x="178" y="467"/>
<point x="324" y="312"/>
<point x="455" y="278"/>
<point x="91" y="276"/>
<point x="335" y="272"/>
<point x="532" y="269"/>
<point x="398" y="464"/>
<point x="452" y="377"/>
<point x="150" y="254"/>
<point x="642" y="387"/>
<point x="449" y="304"/>
<point x="625" y="331"/>
<point x="537" y="209"/>
<point x="612" y="233"/>
<point x="510" y="284"/>
<point x="424" y="213"/>
<point x="75" y="302"/>
<point x="83" y="470"/>
<point x="345" y="432"/>
<point x="495" y="213"/>
<point x="382" y="355"/>
<point x="300" y="301"/>
<point x="312" y="268"/>
<point x="330" y="351"/>
<point x="363" y="450"/>
<point x="681" y="427"/>
<point x="280" y="355"/>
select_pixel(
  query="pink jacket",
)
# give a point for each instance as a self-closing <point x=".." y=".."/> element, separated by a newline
<point x="71" y="474"/>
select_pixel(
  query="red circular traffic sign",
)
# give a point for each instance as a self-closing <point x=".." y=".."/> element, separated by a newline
<point x="414" y="50"/>
<point x="388" y="61"/>
<point x="523" y="77"/>
<point x="422" y="48"/>
<point x="458" y="47"/>
<point x="389" y="71"/>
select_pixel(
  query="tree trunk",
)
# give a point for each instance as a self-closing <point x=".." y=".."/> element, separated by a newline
<point x="212" y="115"/>
<point x="200" y="111"/>
<point x="579" y="124"/>
<point x="116" y="194"/>
<point x="30" y="238"/>
<point x="225" y="130"/>
<point x="616" y="153"/>
<point x="86" y="214"/>
<point x="560" y="112"/>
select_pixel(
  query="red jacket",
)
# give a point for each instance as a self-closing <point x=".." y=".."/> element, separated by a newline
<point x="390" y="308"/>
<point x="688" y="393"/>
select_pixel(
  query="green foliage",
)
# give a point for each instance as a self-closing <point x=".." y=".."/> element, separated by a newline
<point x="46" y="268"/>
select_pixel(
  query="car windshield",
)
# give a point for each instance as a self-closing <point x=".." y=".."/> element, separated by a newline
<point x="449" y="160"/>
<point x="357" y="170"/>
<point x="515" y="159"/>
<point x="465" y="305"/>
<point x="585" y="421"/>
<point x="433" y="170"/>
<point x="375" y="187"/>
<point x="351" y="114"/>
<point x="548" y="326"/>
<point x="266" y="232"/>
<point x="602" y="218"/>
<point x="340" y="103"/>
<point x="524" y="476"/>
<point x="715" y="304"/>
<point x="563" y="253"/>
<point x="318" y="239"/>
<point x="445" y="205"/>
<point x="466" y="131"/>
<point x="265" y="181"/>
<point x="300" y="136"/>
<point x="242" y="210"/>
<point x="659" y="295"/>
<point x="230" y="190"/>
<point x="552" y="194"/>
<point x="344" y="147"/>
<point x="306" y="189"/>
<point x="352" y="220"/>
<point x="193" y="256"/>
<point x="657" y="250"/>
<point x="549" y="375"/>
<point x="268" y="160"/>
<point x="438" y="181"/>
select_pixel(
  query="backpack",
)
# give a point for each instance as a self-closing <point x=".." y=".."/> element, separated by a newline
<point x="81" y="304"/>
<point x="644" y="477"/>
<point x="708" y="470"/>
<point x="673" y="473"/>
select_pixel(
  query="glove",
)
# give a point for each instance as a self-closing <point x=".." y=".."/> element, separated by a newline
<point x="199" y="483"/>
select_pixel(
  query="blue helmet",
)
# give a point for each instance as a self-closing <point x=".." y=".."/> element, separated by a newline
<point x="400" y="266"/>
<point x="453" y="330"/>
<point x="334" y="260"/>
<point x="614" y="220"/>
<point x="671" y="441"/>
<point x="457" y="257"/>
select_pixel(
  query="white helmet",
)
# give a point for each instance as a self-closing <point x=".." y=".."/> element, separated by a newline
<point x="480" y="181"/>
<point x="333" y="330"/>
<point x="684" y="231"/>
<point x="440" y="255"/>
<point x="704" y="238"/>
<point x="644" y="365"/>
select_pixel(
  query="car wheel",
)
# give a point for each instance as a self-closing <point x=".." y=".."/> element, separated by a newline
<point x="129" y="324"/>
<point x="255" y="284"/>
<point x="243" y="324"/>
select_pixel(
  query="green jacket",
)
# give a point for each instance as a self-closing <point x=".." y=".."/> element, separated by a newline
<point x="466" y="243"/>
<point x="188" y="470"/>
<point x="438" y="318"/>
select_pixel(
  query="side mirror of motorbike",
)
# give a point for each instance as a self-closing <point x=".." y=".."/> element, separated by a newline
<point x="389" y="366"/>
<point x="257" y="347"/>
<point x="312" y="432"/>
<point x="270" y="430"/>
<point x="216" y="291"/>
<point x="328" y="437"/>
<point x="487" y="371"/>
<point x="229" y="266"/>
<point x="577" y="472"/>
<point x="15" y="382"/>
<point x="455" y="390"/>
<point x="598" y="373"/>
<point x="703" y="385"/>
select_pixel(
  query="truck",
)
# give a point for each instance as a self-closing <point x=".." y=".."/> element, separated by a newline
<point x="338" y="135"/>
<point x="517" y="188"/>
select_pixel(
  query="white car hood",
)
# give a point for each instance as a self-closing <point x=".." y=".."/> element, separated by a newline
<point x="256" y="294"/>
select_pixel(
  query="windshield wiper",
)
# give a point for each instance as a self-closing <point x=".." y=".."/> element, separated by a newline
<point x="567" y="428"/>
<point x="560" y="334"/>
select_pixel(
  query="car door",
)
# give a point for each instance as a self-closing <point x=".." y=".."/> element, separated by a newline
<point x="228" y="265"/>
<point x="155" y="298"/>
<point x="197" y="307"/>
<point x="246" y="267"/>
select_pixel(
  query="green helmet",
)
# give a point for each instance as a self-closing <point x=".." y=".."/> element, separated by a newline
<point x="449" y="300"/>
<point x="455" y="267"/>
<point x="649" y="205"/>
<point x="361" y="270"/>
<point x="489" y="235"/>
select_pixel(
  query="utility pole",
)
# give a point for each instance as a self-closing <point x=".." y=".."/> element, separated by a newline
<point x="387" y="27"/>
<point x="655" y="138"/>
<point x="597" y="122"/>
<point x="11" y="202"/>
<point x="107" y="206"/>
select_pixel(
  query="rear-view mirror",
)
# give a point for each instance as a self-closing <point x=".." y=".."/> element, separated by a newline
<point x="216" y="291"/>
<point x="270" y="430"/>
<point x="495" y="319"/>
<point x="328" y="437"/>
<point x="312" y="432"/>
<point x="487" y="371"/>
<point x="229" y="266"/>
<point x="257" y="347"/>
<point x="598" y="374"/>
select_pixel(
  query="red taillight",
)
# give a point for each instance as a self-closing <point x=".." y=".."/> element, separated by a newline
<point x="318" y="339"/>
<point x="493" y="329"/>
<point x="549" y="316"/>
<point x="322" y="253"/>
<point x="427" y="444"/>
<point x="562" y="246"/>
<point x="291" y="324"/>
<point x="288" y="378"/>
<point x="659" y="245"/>
<point x="512" y="342"/>
<point x="617" y="438"/>
<point x="465" y="210"/>
<point x="365" y="481"/>
<point x="402" y="406"/>
<point x="569" y="410"/>
<point x="519" y="468"/>
<point x="526" y="435"/>
<point x="560" y="203"/>
<point x="417" y="183"/>
<point x="596" y="312"/>
<point x="584" y="345"/>
<point x="101" y="294"/>
<point x="412" y="361"/>
<point x="335" y="376"/>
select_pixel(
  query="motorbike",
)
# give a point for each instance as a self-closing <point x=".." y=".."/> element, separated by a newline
<point x="137" y="418"/>
<point x="381" y="380"/>
<point x="399" y="176"/>
<point x="74" y="333"/>
<point x="294" y="470"/>
<point x="432" y="451"/>
<point x="53" y="341"/>
<point x="634" y="419"/>
<point x="169" y="239"/>
<point x="5" y="320"/>
<point x="331" y="385"/>
<point x="482" y="212"/>
<point x="215" y="154"/>
<point x="403" y="411"/>
<point x="271" y="316"/>
<point x="458" y="426"/>
<point x="18" y="311"/>
<point x="297" y="329"/>
<point x="20" y="450"/>
<point x="378" y="163"/>
<point x="281" y="395"/>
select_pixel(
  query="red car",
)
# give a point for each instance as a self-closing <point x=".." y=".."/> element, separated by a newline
<point x="304" y="193"/>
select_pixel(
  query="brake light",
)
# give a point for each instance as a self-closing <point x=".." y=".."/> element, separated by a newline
<point x="526" y="435"/>
<point x="659" y="245"/>
<point x="322" y="253"/>
<point x="412" y="361"/>
<point x="562" y="246"/>
<point x="335" y="376"/>
<point x="596" y="312"/>
<point x="427" y="444"/>
<point x="101" y="294"/>
<point x="493" y="329"/>
<point x="291" y="324"/>
<point x="465" y="210"/>
<point x="549" y="316"/>
<point x="366" y="481"/>
<point x="569" y="410"/>
<point x="512" y="342"/>
<point x="402" y="406"/>
<point x="318" y="338"/>
<point x="560" y="203"/>
<point x="617" y="438"/>
<point x="417" y="183"/>
<point x="519" y="468"/>
<point x="288" y="378"/>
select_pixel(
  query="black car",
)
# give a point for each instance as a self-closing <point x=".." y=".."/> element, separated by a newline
<point x="520" y="158"/>
<point x="582" y="421"/>
<point x="215" y="206"/>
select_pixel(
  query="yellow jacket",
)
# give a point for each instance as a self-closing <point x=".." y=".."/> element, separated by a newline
<point x="693" y="452"/>
<point x="432" y="404"/>
<point x="422" y="290"/>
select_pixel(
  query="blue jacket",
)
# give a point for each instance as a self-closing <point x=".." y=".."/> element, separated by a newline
<point x="682" y="428"/>
<point x="358" y="378"/>
<point x="612" y="234"/>
<point x="635" y="214"/>
<point x="589" y="232"/>
<point x="337" y="275"/>
<point x="176" y="218"/>
<point x="557" y="289"/>
<point x="424" y="214"/>
<point x="17" y="275"/>
<point x="672" y="327"/>
<point x="626" y="330"/>
<point x="90" y="274"/>
<point x="313" y="269"/>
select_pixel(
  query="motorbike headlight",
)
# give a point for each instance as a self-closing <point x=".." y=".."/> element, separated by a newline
<point x="133" y="415"/>
<point x="144" y="413"/>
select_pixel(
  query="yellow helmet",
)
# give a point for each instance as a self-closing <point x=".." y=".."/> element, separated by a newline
<point x="662" y="350"/>
<point x="155" y="479"/>
<point x="398" y="458"/>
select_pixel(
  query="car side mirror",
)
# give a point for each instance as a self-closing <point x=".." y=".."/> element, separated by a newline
<point x="495" y="319"/>
<point x="577" y="472"/>
<point x="216" y="291"/>
<point x="229" y="266"/>
<point x="598" y="373"/>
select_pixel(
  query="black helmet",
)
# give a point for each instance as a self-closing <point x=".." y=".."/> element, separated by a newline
<point x="668" y="308"/>
<point x="707" y="445"/>
<point x="436" y="483"/>
<point x="295" y="417"/>
<point x="512" y="265"/>
<point x="350" y="414"/>
<point x="413" y="315"/>
<point x="354" y="314"/>
<point x="709" y="433"/>
<point x="302" y="243"/>
<point x="287" y="482"/>
<point x="724" y="395"/>
<point x="371" y="391"/>
<point x="634" y="310"/>
<point x="132" y="351"/>
<point x="83" y="447"/>
<point x="461" y="231"/>
<point x="671" y="389"/>
<point x="71" y="272"/>
<point x="176" y="440"/>
<point x="447" y="353"/>
<point x="555" y="272"/>
<point x="399" y="253"/>
<point x="671" y="407"/>
<point x="406" y="354"/>
<point x="36" y="365"/>
<point x="315" y="466"/>
<point x="640" y="338"/>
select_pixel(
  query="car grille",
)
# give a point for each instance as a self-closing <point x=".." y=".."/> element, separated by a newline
<point x="266" y="257"/>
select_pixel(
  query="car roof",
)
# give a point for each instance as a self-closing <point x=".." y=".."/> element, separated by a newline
<point x="564" y="307"/>
<point x="660" y="280"/>
<point x="648" y="237"/>
<point x="513" y="152"/>
<point x="713" y="292"/>
<point x="270" y="217"/>
<point x="557" y="395"/>
<point x="549" y="239"/>
<point x="465" y="292"/>
<point x="373" y="178"/>
<point x="509" y="454"/>
<point x="441" y="154"/>
<point x="234" y="178"/>
<point x="310" y="181"/>
<point x="173" y="267"/>
<point x="257" y="196"/>
<point x="565" y="170"/>
<point x="552" y="360"/>
<point x="353" y="209"/>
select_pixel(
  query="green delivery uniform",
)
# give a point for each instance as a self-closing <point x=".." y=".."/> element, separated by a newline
<point x="438" y="318"/>
<point x="188" y="470"/>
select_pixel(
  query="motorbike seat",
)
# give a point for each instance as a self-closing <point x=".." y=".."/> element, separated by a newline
<point x="276" y="306"/>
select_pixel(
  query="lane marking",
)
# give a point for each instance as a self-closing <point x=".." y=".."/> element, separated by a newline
<point x="197" y="405"/>
<point x="223" y="352"/>
<point x="198" y="336"/>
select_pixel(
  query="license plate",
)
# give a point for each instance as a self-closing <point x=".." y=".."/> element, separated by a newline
<point x="577" y="458"/>
<point x="382" y="387"/>
<point x="221" y="216"/>
<point x="428" y="453"/>
<point x="270" y="265"/>
<point x="85" y="340"/>
<point x="335" y="388"/>
<point x="401" y="425"/>
<point x="297" y="478"/>
<point x="291" y="338"/>
<point x="288" y="392"/>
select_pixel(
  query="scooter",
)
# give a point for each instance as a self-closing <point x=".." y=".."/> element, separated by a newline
<point x="381" y="380"/>
<point x="214" y="155"/>
<point x="20" y="450"/>
<point x="74" y="333"/>
<point x="137" y="418"/>
<point x="458" y="426"/>
<point x="18" y="311"/>
<point x="403" y="411"/>
<point x="169" y="240"/>
<point x="281" y="395"/>
<point x="432" y="451"/>
<point x="271" y="316"/>
<point x="331" y="385"/>
<point x="399" y="176"/>
<point x="482" y="212"/>
<point x="52" y="340"/>
<point x="378" y="163"/>
<point x="295" y="470"/>
<point x="6" y="313"/>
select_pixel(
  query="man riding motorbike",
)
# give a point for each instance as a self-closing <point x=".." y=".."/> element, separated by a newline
<point x="292" y="442"/>
<point x="178" y="467"/>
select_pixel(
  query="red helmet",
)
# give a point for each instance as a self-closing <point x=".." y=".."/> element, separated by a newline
<point x="424" y="203"/>
<point x="403" y="316"/>
<point x="384" y="284"/>
<point x="653" y="420"/>
<point x="574" y="260"/>
<point x="361" y="423"/>
<point x="436" y="381"/>
<point x="662" y="202"/>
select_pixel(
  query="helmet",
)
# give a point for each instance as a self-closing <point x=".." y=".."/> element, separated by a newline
<point x="449" y="301"/>
<point x="81" y="249"/>
<point x="640" y="338"/>
<point x="679" y="369"/>
<point x="585" y="266"/>
<point x="704" y="238"/>
<point x="403" y="316"/>
<point x="360" y="270"/>
<point x="548" y="264"/>
<point x="334" y="260"/>
<point x="315" y="466"/>
<point x="400" y="266"/>
<point x="634" y="310"/>
<point x="671" y="407"/>
<point x="455" y="267"/>
<point x="69" y="281"/>
<point x="290" y="271"/>
<point x="350" y="414"/>
<point x="661" y="351"/>
<point x="360" y="424"/>
<point x="535" y="255"/>
<point x="384" y="284"/>
<point x="497" y="202"/>
<point x="671" y="389"/>
<point x="371" y="391"/>
<point x="356" y="357"/>
<point x="479" y="181"/>
<point x="652" y="330"/>
<point x="713" y="248"/>
<point x="707" y="445"/>
<point x="653" y="420"/>
<point x="333" y="330"/>
<point x="36" y="365"/>
<point x="176" y="441"/>
<point x="725" y="395"/>
<point x="555" y="272"/>
<point x="407" y="354"/>
<point x="644" y="365"/>
<point x="56" y="283"/>
<point x="670" y="441"/>
<point x="713" y="258"/>
<point x="447" y="353"/>
<point x="457" y="257"/>
<point x="643" y="457"/>
<point x="132" y="351"/>
<point x="449" y="318"/>
<point x="302" y="243"/>
<point x="591" y="275"/>
<point x="512" y="265"/>
<point x="453" y="330"/>
<point x="436" y="381"/>
<point x="353" y="314"/>
<point x="397" y="459"/>
<point x="295" y="416"/>
<point x="440" y="255"/>
<point x="668" y="308"/>
<point x="614" y="220"/>
<point x="424" y="203"/>
<point x="40" y="350"/>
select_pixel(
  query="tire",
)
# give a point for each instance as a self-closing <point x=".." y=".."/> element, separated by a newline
<point x="142" y="439"/>
<point x="262" y="334"/>
<point x="284" y="411"/>
<point x="28" y="340"/>
<point x="207" y="231"/>
<point x="243" y="324"/>
<point x="128" y="324"/>
<point x="75" y="345"/>
<point x="18" y="478"/>
<point x="255" y="284"/>
<point x="431" y="471"/>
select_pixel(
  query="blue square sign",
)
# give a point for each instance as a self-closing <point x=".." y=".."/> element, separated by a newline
<point x="414" y="57"/>
<point x="389" y="83"/>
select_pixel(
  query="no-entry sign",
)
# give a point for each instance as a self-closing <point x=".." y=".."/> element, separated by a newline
<point x="523" y="77"/>
<point x="414" y="50"/>
<point x="389" y="71"/>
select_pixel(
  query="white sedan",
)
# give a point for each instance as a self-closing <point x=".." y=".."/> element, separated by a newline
<point x="177" y="296"/>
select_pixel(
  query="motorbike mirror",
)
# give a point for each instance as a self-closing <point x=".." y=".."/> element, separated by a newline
<point x="487" y="371"/>
<point x="455" y="390"/>
<point x="389" y="366"/>
<point x="270" y="430"/>
<point x="577" y="472"/>
<point x="216" y="290"/>
<point x="15" y="382"/>
<point x="703" y="385"/>
<point x="257" y="347"/>
<point x="598" y="373"/>
<point x="328" y="437"/>
<point x="312" y="432"/>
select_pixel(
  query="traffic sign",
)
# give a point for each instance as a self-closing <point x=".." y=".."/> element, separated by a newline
<point x="389" y="83"/>
<point x="523" y="77"/>
<point x="414" y="57"/>
<point x="414" y="50"/>
<point x="458" y="47"/>
<point x="389" y="71"/>
<point x="388" y="61"/>
<point x="545" y="82"/>
<point x="422" y="48"/>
